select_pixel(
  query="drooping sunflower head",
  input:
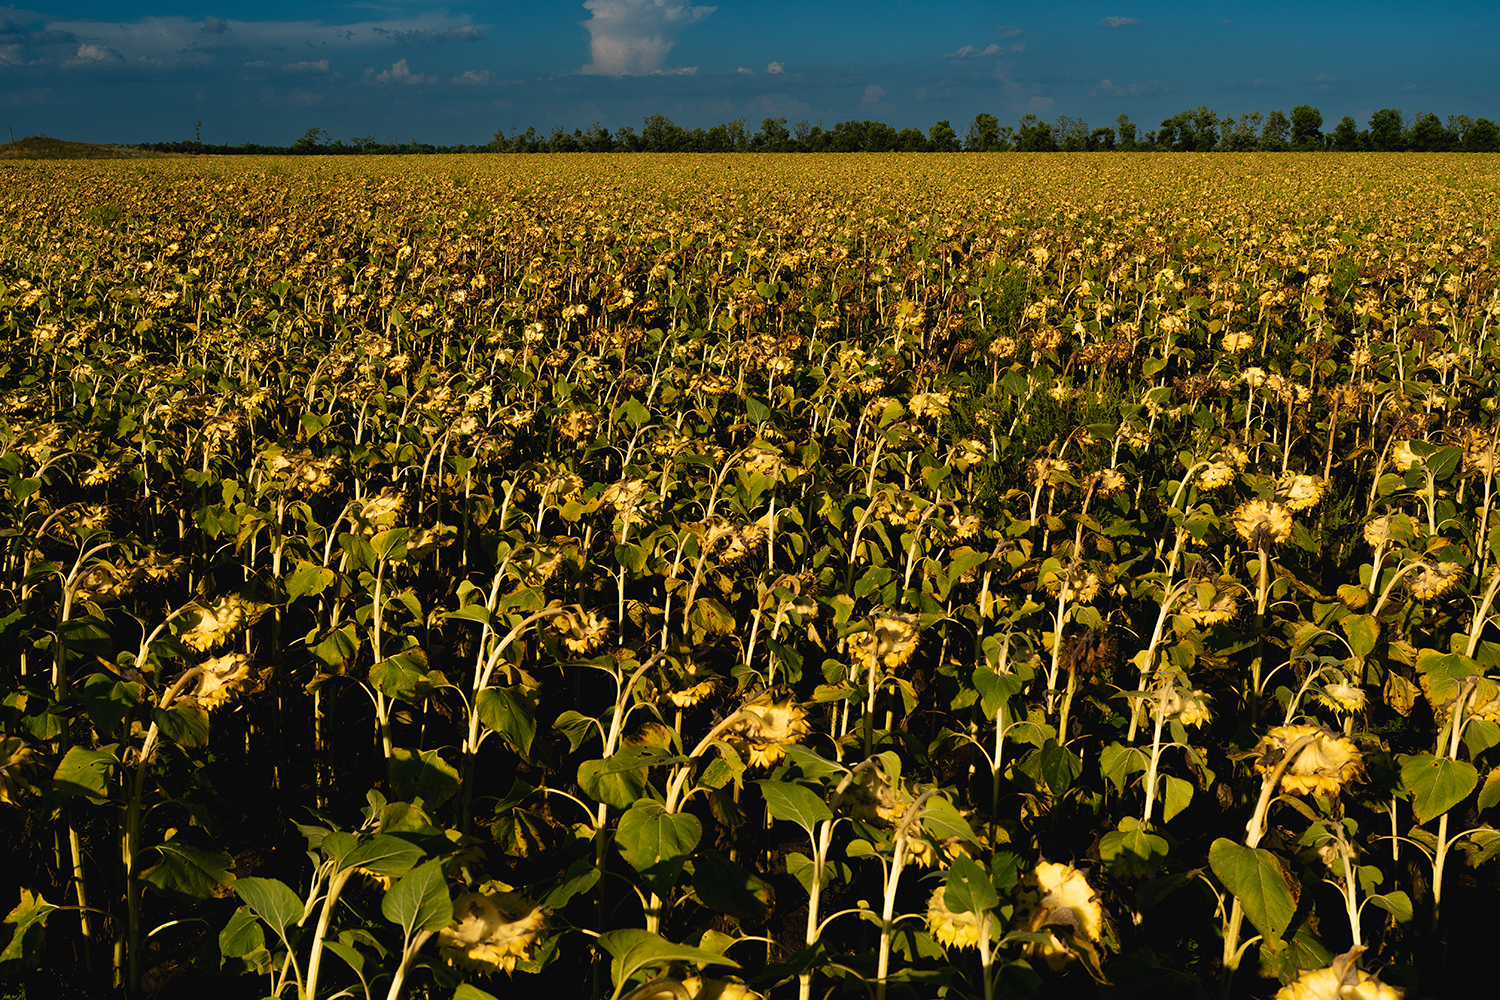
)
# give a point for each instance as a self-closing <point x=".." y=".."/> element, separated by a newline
<point x="15" y="766"/>
<point x="1182" y="702"/>
<point x="890" y="641"/>
<point x="580" y="631"/>
<point x="1262" y="522"/>
<point x="1340" y="981"/>
<point x="1436" y="580"/>
<point x="1341" y="696"/>
<point x="1322" y="767"/>
<point x="1209" y="605"/>
<point x="1301" y="492"/>
<point x="1106" y="483"/>
<point x="953" y="930"/>
<point x="766" y="726"/>
<point x="224" y="677"/>
<point x="218" y="622"/>
<point x="1057" y="900"/>
<point x="1215" y="475"/>
<point x="491" y="932"/>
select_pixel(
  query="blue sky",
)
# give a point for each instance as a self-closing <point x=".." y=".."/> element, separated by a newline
<point x="146" y="70"/>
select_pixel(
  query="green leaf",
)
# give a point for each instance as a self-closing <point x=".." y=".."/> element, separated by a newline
<point x="580" y="878"/>
<point x="1118" y="762"/>
<point x="1175" y="797"/>
<point x="633" y="949"/>
<point x="509" y="713"/>
<point x="422" y="774"/>
<point x="631" y="557"/>
<point x="656" y="842"/>
<point x="403" y="676"/>
<point x="967" y="888"/>
<point x="472" y="613"/>
<point x="1257" y="880"/>
<point x="796" y="803"/>
<point x="84" y="772"/>
<point x="21" y="932"/>
<point x="942" y="821"/>
<point x="108" y="701"/>
<point x="722" y="885"/>
<point x="184" y="723"/>
<point x="242" y="936"/>
<point x="1052" y="767"/>
<point x="390" y="544"/>
<point x="383" y="854"/>
<point x="308" y="579"/>
<point x="1490" y="793"/>
<point x="1396" y="903"/>
<point x="1436" y="784"/>
<point x="419" y="902"/>
<point x="184" y="871"/>
<point x="800" y="867"/>
<point x="1131" y="852"/>
<point x="619" y="780"/>
<point x="272" y="900"/>
<point x="1363" y="632"/>
<point x="467" y="992"/>
<point x="994" y="689"/>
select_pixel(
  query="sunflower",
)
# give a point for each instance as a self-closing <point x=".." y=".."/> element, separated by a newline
<point x="953" y="930"/>
<point x="222" y="678"/>
<point x="890" y="641"/>
<point x="1340" y="981"/>
<point x="15" y="762"/>
<point x="581" y="631"/>
<point x="1262" y="522"/>
<point x="491" y="931"/>
<point x="1215" y="475"/>
<point x="766" y="725"/>
<point x="1222" y="606"/>
<point x="1322" y="767"/>
<point x="1342" y="696"/>
<point x="1064" y="902"/>
<point x="1435" y="580"/>
<point x="1301" y="492"/>
<point x="1187" y="706"/>
<point x="217" y="623"/>
<point x="1106" y="482"/>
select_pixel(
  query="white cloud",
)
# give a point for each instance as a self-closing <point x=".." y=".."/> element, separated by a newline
<point x="431" y="36"/>
<point x="95" y="53"/>
<point x="400" y="72"/>
<point x="974" y="52"/>
<point x="873" y="95"/>
<point x="633" y="37"/>
<point x="745" y="70"/>
<point x="1009" y="31"/>
<point x="775" y="68"/>
<point x="1119" y="22"/>
<point x="214" y="26"/>
<point x="473" y="78"/>
<point x="321" y="66"/>
<point x="1145" y="88"/>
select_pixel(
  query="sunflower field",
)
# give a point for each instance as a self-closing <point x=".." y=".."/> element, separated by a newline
<point x="695" y="577"/>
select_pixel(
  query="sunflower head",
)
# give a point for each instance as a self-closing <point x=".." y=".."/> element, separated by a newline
<point x="1322" y="767"/>
<point x="890" y="641"/>
<point x="1301" y="492"/>
<point x="1208" y="605"/>
<point x="581" y="632"/>
<point x="1262" y="522"/>
<point x="767" y="724"/>
<point x="491" y="931"/>
<point x="1340" y="981"/>
<point x="1057" y="900"/>
<point x="1106" y="482"/>
<point x="953" y="930"/>
<point x="222" y="678"/>
<point x="1215" y="475"/>
<point x="1436" y="580"/>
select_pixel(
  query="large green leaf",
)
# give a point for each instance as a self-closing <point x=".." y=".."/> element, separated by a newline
<point x="242" y="937"/>
<point x="1363" y="632"/>
<point x="722" y="885"/>
<point x="184" y="723"/>
<point x="619" y="780"/>
<point x="272" y="901"/>
<point x="108" y="701"/>
<point x="1436" y="784"/>
<point x="383" y="854"/>
<point x="1118" y="762"/>
<point x="795" y="803"/>
<point x="308" y="579"/>
<point x="656" y="842"/>
<point x="509" y="713"/>
<point x="942" y="821"/>
<point x="1132" y="852"/>
<point x="419" y="902"/>
<point x="21" y="932"/>
<point x="422" y="774"/>
<point x="404" y="676"/>
<point x="967" y="888"/>
<point x="185" y="871"/>
<point x="633" y="949"/>
<point x="84" y="772"/>
<point x="1257" y="880"/>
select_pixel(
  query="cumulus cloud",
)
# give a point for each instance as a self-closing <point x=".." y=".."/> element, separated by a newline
<point x="775" y="68"/>
<point x="873" y="96"/>
<point x="745" y="70"/>
<point x="96" y="53"/>
<point x="1144" y="88"/>
<point x="1009" y="31"/>
<point x="473" y="78"/>
<point x="400" y="72"/>
<point x="1119" y="22"/>
<point x="973" y="52"/>
<point x="633" y="37"/>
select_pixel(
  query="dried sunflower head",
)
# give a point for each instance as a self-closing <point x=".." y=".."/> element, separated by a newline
<point x="1340" y="981"/>
<point x="1183" y="703"/>
<point x="1057" y="899"/>
<point x="15" y="762"/>
<point x="1301" y="492"/>
<point x="1342" y="696"/>
<point x="222" y="678"/>
<point x="890" y="641"/>
<point x="953" y="930"/>
<point x="580" y="631"/>
<point x="767" y="725"/>
<point x="1106" y="482"/>
<point x="218" y="623"/>
<point x="1208" y="605"/>
<point x="491" y="931"/>
<point x="1262" y="522"/>
<point x="1436" y="580"/>
<point x="1322" y="767"/>
<point x="1215" y="475"/>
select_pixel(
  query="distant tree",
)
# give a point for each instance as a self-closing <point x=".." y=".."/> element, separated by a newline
<point x="1102" y="138"/>
<point x="1242" y="135"/>
<point x="1346" y="135"/>
<point x="1127" y="132"/>
<point x="739" y="137"/>
<point x="312" y="140"/>
<point x="1427" y="135"/>
<point x="801" y="132"/>
<point x="773" y="137"/>
<point x="1007" y="137"/>
<point x="1273" y="135"/>
<point x="1307" y="127"/>
<point x="1484" y="137"/>
<point x="1034" y="136"/>
<point x="941" y="138"/>
<point x="560" y="141"/>
<point x="626" y="141"/>
<point x="984" y="134"/>
<point x="596" y="139"/>
<point x="1071" y="134"/>
<point x="908" y="140"/>
<point x="1386" y="131"/>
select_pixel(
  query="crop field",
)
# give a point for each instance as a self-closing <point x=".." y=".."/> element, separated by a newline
<point x="714" y="577"/>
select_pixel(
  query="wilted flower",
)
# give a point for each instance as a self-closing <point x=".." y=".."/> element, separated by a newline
<point x="491" y="931"/>
<point x="1106" y="482"/>
<point x="1340" y="981"/>
<point x="1322" y="767"/>
<point x="1234" y="343"/>
<point x="1064" y="903"/>
<point x="1300" y="492"/>
<point x="15" y="762"/>
<point x="1435" y="580"/>
<point x="890" y="641"/>
<point x="1215" y="475"/>
<point x="1221" y="605"/>
<point x="953" y="930"/>
<point x="575" y="425"/>
<point x="1342" y="697"/>
<point x="929" y="404"/>
<point x="1262" y="522"/>
<point x="217" y="623"/>
<point x="766" y="725"/>
<point x="581" y="631"/>
<point x="1402" y="455"/>
<point x="222" y="678"/>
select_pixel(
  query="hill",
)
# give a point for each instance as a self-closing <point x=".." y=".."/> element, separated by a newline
<point x="42" y="147"/>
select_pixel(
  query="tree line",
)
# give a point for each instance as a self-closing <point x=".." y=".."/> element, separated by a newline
<point x="1198" y="129"/>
